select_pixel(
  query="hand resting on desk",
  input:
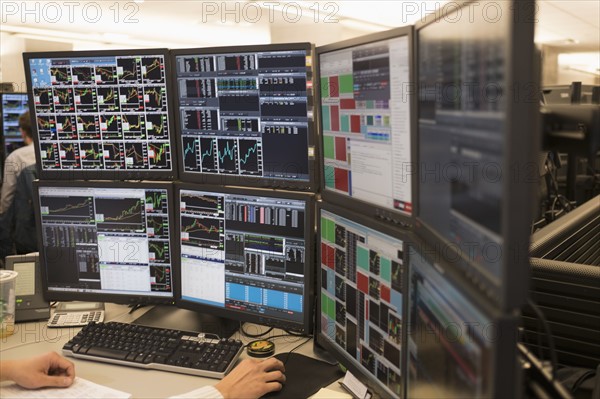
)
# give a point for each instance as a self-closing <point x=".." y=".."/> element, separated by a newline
<point x="48" y="370"/>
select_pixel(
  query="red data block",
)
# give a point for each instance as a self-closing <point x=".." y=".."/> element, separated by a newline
<point x="347" y="103"/>
<point x="341" y="179"/>
<point x="335" y="118"/>
<point x="334" y="86"/>
<point x="340" y="149"/>
<point x="362" y="282"/>
<point x="329" y="260"/>
<point x="355" y="123"/>
<point x="385" y="293"/>
<point x="323" y="254"/>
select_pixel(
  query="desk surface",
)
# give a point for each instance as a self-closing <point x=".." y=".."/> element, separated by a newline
<point x="34" y="338"/>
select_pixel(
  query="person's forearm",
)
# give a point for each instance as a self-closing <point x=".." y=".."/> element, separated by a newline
<point x="5" y="367"/>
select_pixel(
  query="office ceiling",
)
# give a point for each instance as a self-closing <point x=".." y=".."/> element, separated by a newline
<point x="573" y="25"/>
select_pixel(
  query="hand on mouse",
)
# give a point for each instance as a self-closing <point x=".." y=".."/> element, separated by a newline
<point x="252" y="379"/>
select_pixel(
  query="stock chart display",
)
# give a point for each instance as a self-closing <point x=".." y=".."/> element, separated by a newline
<point x="243" y="253"/>
<point x="102" y="113"/>
<point x="13" y="105"/>
<point x="246" y="114"/>
<point x="362" y="272"/>
<point x="108" y="240"/>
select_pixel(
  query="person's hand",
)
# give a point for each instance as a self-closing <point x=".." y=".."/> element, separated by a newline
<point x="49" y="370"/>
<point x="252" y="379"/>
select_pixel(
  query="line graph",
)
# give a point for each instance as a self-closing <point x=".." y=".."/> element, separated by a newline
<point x="60" y="75"/>
<point x="154" y="98"/>
<point x="207" y="155"/>
<point x="91" y="155"/>
<point x="157" y="226"/>
<point x="127" y="69"/>
<point x="201" y="231"/>
<point x="250" y="156"/>
<point x="113" y="154"/>
<point x="85" y="99"/>
<point x="161" y="276"/>
<point x="133" y="126"/>
<point x="190" y="161"/>
<point x="159" y="155"/>
<point x="69" y="155"/>
<point x="106" y="75"/>
<point x="157" y="126"/>
<point x="120" y="214"/>
<point x="43" y="100"/>
<point x="153" y="69"/>
<point x="199" y="203"/>
<point x="46" y="127"/>
<point x="158" y="251"/>
<point x="76" y="209"/>
<point x="227" y="156"/>
<point x="156" y="201"/>
<point x="108" y="100"/>
<point x="83" y="75"/>
<point x="130" y="99"/>
<point x="135" y="155"/>
<point x="110" y="126"/>
<point x="49" y="155"/>
<point x="63" y="100"/>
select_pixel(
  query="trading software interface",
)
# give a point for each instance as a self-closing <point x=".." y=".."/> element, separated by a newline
<point x="361" y="296"/>
<point x="244" y="253"/>
<point x="102" y="113"/>
<point x="365" y="111"/>
<point x="245" y="114"/>
<point x="13" y="105"/>
<point x="462" y="114"/>
<point x="107" y="240"/>
<point x="449" y="340"/>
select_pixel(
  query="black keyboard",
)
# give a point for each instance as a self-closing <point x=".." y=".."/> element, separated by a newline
<point x="155" y="348"/>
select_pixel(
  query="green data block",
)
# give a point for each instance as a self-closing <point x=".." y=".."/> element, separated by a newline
<point x="323" y="303"/>
<point x="346" y="84"/>
<point x="362" y="258"/>
<point x="345" y="123"/>
<point x="329" y="176"/>
<point x="328" y="147"/>
<point x="385" y="269"/>
<point x="326" y="117"/>
<point x="325" y="87"/>
<point x="331" y="231"/>
<point x="324" y="227"/>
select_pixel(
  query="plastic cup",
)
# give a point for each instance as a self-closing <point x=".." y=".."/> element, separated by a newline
<point x="8" y="282"/>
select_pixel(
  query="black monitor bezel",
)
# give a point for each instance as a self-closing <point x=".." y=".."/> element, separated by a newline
<point x="52" y="295"/>
<point x="3" y="154"/>
<point x="308" y="301"/>
<point x="521" y="146"/>
<point x="103" y="174"/>
<point x="503" y="345"/>
<point x="348" y="362"/>
<point x="387" y="215"/>
<point x="248" y="181"/>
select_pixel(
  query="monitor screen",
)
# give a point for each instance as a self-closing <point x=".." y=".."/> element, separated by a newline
<point x="366" y="107"/>
<point x="477" y="138"/>
<point x="13" y="106"/>
<point x="102" y="114"/>
<point x="245" y="115"/>
<point x="361" y="296"/>
<point x="246" y="254"/>
<point x="451" y="340"/>
<point x="106" y="241"/>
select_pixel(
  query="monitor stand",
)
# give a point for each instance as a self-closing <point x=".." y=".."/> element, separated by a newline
<point x="164" y="316"/>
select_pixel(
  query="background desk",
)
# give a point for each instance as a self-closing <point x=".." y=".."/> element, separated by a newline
<point x="34" y="338"/>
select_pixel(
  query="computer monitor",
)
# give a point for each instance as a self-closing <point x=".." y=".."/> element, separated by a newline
<point x="362" y="279"/>
<point x="478" y="141"/>
<point x="102" y="114"/>
<point x="106" y="241"/>
<point x="459" y="346"/>
<point x="246" y="254"/>
<point x="367" y="124"/>
<point x="245" y="115"/>
<point x="13" y="106"/>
